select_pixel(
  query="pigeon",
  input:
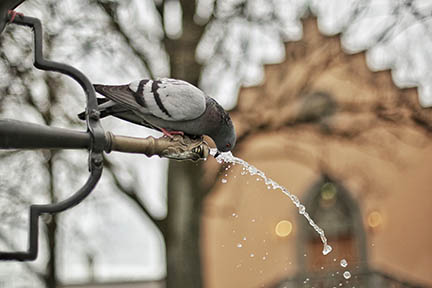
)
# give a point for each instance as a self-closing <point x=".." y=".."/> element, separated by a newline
<point x="169" y="105"/>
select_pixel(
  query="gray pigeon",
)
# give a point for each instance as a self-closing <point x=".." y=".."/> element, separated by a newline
<point x="170" y="106"/>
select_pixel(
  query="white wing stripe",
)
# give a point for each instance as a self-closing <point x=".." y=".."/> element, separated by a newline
<point x="154" y="90"/>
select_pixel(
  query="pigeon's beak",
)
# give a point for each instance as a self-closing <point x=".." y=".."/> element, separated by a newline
<point x="217" y="154"/>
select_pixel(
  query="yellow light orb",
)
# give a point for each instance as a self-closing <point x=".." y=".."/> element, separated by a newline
<point x="374" y="219"/>
<point x="283" y="228"/>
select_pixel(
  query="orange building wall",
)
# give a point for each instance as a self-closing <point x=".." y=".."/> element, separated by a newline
<point x="400" y="247"/>
<point x="387" y="168"/>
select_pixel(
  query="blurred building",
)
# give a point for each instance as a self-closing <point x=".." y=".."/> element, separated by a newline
<point x="354" y="148"/>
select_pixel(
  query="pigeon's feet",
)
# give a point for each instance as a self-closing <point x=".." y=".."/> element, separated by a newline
<point x="13" y="14"/>
<point x="170" y="134"/>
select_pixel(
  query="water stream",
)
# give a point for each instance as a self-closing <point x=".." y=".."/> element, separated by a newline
<point x="252" y="170"/>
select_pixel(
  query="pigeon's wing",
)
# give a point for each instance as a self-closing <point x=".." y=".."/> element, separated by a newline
<point x="120" y="94"/>
<point x="108" y="107"/>
<point x="134" y="118"/>
<point x="170" y="99"/>
<point x="167" y="99"/>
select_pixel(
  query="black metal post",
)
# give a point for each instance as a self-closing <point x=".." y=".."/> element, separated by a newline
<point x="22" y="135"/>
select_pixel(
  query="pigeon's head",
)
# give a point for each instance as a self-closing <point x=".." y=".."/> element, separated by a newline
<point x="225" y="139"/>
<point x="225" y="136"/>
<point x="221" y="128"/>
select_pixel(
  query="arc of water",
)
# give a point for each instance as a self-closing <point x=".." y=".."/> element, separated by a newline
<point x="252" y="170"/>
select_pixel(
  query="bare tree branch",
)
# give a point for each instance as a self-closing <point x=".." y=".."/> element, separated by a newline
<point x="110" y="9"/>
<point x="132" y="194"/>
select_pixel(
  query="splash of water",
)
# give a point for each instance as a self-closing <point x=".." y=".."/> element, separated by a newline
<point x="343" y="263"/>
<point x="347" y="275"/>
<point x="252" y="170"/>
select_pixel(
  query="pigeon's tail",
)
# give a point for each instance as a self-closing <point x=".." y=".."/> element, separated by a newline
<point x="103" y="114"/>
<point x="99" y="88"/>
<point x="81" y="115"/>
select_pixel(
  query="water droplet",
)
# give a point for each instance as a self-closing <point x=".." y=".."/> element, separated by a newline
<point x="244" y="238"/>
<point x="305" y="255"/>
<point x="302" y="209"/>
<point x="239" y="245"/>
<point x="264" y="258"/>
<point x="253" y="220"/>
<point x="327" y="249"/>
<point x="347" y="275"/>
<point x="224" y="180"/>
<point x="343" y="263"/>
<point x="322" y="267"/>
<point x="252" y="255"/>
<point x="234" y="214"/>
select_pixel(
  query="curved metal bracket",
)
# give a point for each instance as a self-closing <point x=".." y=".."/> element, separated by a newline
<point x="96" y="147"/>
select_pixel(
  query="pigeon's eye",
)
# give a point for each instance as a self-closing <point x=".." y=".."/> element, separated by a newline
<point x="228" y="145"/>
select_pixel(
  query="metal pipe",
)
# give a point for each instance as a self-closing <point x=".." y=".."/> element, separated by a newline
<point x="177" y="147"/>
<point x="16" y="134"/>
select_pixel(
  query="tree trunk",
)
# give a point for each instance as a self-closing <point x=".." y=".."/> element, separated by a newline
<point x="185" y="192"/>
<point x="51" y="278"/>
<point x="51" y="227"/>
<point x="182" y="239"/>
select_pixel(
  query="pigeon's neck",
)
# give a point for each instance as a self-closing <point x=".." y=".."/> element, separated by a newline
<point x="216" y="118"/>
